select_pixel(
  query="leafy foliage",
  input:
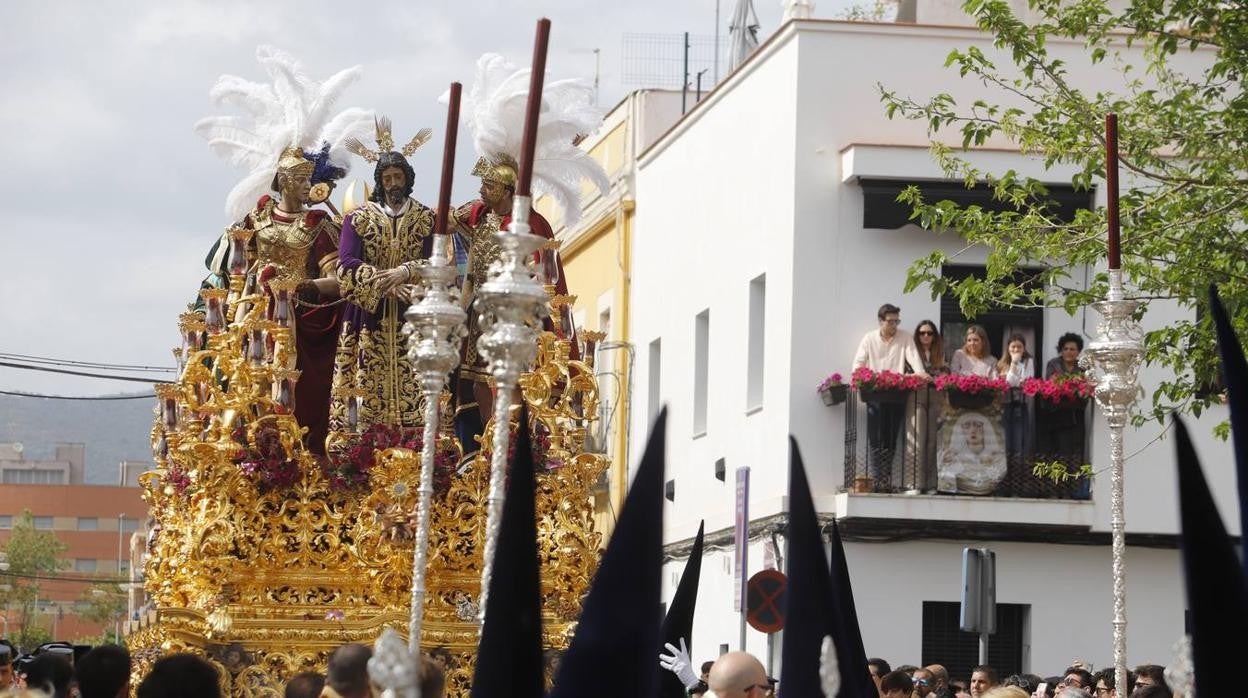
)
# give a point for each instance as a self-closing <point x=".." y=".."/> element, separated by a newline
<point x="30" y="554"/>
<point x="1173" y="72"/>
<point x="102" y="603"/>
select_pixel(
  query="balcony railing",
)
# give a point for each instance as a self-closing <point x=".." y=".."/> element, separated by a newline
<point x="916" y="442"/>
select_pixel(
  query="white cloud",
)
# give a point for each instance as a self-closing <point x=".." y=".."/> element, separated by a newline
<point x="114" y="201"/>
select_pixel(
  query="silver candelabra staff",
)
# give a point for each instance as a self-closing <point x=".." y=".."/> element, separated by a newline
<point x="511" y="303"/>
<point x="1114" y="358"/>
<point x="435" y="328"/>
<point x="436" y="325"/>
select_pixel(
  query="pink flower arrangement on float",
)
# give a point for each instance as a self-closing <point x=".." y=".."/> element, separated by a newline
<point x="349" y="466"/>
<point x="177" y="478"/>
<point x="267" y="462"/>
<point x="866" y="379"/>
<point x="971" y="385"/>
<point x="831" y="381"/>
<point x="1059" y="389"/>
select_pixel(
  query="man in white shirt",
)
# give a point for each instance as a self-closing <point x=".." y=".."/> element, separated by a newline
<point x="888" y="348"/>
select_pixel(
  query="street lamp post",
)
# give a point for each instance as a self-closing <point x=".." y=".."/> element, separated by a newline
<point x="120" y="520"/>
<point x="4" y="567"/>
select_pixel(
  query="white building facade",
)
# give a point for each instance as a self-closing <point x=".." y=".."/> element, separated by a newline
<point x="755" y="276"/>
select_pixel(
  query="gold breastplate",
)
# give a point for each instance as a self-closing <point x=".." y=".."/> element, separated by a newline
<point x="485" y="247"/>
<point x="283" y="244"/>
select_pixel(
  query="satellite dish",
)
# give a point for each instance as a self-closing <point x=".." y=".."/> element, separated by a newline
<point x="18" y="447"/>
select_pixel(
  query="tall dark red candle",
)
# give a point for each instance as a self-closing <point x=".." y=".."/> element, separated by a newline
<point x="1111" y="185"/>
<point x="448" y="161"/>
<point x="524" y="180"/>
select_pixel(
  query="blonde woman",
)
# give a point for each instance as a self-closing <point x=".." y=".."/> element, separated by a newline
<point x="974" y="359"/>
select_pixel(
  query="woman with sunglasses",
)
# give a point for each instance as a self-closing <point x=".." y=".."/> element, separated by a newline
<point x="920" y="466"/>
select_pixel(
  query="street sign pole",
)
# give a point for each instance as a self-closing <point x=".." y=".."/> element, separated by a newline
<point x="741" y="539"/>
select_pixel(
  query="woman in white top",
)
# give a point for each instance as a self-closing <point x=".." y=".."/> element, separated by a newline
<point x="1016" y="367"/>
<point x="973" y="358"/>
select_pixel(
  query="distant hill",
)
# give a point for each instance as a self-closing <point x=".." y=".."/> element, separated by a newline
<point x="112" y="430"/>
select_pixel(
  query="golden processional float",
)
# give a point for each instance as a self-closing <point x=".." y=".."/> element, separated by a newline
<point x="263" y="561"/>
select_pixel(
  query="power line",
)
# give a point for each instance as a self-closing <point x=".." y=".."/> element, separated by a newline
<point x="63" y="578"/>
<point x="27" y="358"/>
<point x="24" y="367"/>
<point x="141" y="396"/>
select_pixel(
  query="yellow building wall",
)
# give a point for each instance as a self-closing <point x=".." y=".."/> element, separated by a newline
<point x="596" y="265"/>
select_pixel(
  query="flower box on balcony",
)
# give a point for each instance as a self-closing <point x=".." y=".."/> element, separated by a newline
<point x="833" y="390"/>
<point x="971" y="392"/>
<point x="885" y="386"/>
<point x="834" y="395"/>
<point x="1060" y="392"/>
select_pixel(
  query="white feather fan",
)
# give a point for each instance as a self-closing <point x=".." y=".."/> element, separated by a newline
<point x="290" y="110"/>
<point x="494" y="111"/>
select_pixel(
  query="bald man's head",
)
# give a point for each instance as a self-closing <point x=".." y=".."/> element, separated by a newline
<point x="738" y="675"/>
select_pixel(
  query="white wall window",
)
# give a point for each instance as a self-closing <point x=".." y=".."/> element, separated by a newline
<point x="88" y="523"/>
<point x="81" y="565"/>
<point x="701" y="370"/>
<point x="757" y="342"/>
<point x="34" y="477"/>
<point x="608" y="383"/>
<point x="43" y="523"/>
<point x="654" y="383"/>
<point x="6" y="521"/>
<point x="129" y="525"/>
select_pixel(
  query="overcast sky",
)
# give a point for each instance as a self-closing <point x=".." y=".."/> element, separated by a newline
<point x="110" y="200"/>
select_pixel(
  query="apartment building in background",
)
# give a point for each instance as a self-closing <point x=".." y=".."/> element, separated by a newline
<point x="95" y="522"/>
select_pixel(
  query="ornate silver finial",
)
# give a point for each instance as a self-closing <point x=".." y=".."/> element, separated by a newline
<point x="511" y="303"/>
<point x="1114" y="360"/>
<point x="829" y="670"/>
<point x="436" y="326"/>
<point x="1181" y="673"/>
<point x="392" y="667"/>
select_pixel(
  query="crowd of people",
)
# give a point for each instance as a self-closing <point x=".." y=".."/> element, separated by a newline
<point x="55" y="671"/>
<point x="741" y="675"/>
<point x="1077" y="681"/>
<point x="998" y="434"/>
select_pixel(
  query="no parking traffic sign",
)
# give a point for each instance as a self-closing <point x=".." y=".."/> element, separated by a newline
<point x="765" y="601"/>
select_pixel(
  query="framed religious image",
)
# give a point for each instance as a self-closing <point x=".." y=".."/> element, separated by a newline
<point x="971" y="455"/>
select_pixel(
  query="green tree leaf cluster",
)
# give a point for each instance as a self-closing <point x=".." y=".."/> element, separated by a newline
<point x="1183" y="148"/>
<point x="30" y="554"/>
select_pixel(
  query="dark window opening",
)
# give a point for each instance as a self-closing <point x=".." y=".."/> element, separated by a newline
<point x="946" y="644"/>
<point x="881" y="210"/>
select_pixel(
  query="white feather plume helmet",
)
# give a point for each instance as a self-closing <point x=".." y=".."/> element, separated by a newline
<point x="494" y="110"/>
<point x="290" y="110"/>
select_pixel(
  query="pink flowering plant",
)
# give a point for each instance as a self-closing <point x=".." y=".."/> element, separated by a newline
<point x="866" y="379"/>
<point x="1060" y="390"/>
<point x="832" y="381"/>
<point x="971" y="385"/>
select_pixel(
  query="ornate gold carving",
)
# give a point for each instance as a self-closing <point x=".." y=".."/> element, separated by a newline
<point x="265" y="580"/>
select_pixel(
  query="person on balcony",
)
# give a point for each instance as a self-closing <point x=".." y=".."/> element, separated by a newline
<point x="887" y="348"/>
<point x="1065" y="427"/>
<point x="974" y="359"/>
<point x="1015" y="367"/>
<point x="920" y="464"/>
<point x="965" y="465"/>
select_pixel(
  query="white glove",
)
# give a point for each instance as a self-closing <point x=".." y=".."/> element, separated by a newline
<point x="678" y="663"/>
